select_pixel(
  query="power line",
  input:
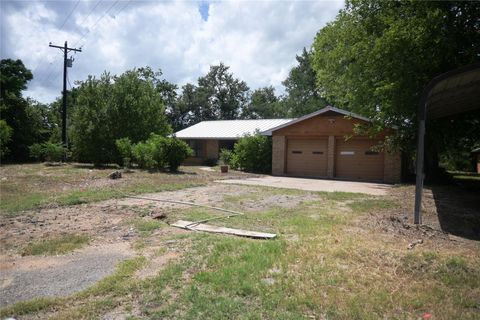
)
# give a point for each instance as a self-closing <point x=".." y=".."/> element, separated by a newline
<point x="61" y="27"/>
<point x="92" y="28"/>
<point x="71" y="12"/>
<point x="51" y="72"/>
<point x="116" y="14"/>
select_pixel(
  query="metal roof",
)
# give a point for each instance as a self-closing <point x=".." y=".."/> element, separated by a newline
<point x="313" y="114"/>
<point x="453" y="92"/>
<point x="228" y="129"/>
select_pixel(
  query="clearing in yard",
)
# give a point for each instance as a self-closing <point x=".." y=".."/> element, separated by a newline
<point x="337" y="255"/>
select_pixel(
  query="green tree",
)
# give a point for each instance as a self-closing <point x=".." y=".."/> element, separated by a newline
<point x="302" y="94"/>
<point x="16" y="111"/>
<point x="264" y="104"/>
<point x="377" y="56"/>
<point x="185" y="110"/>
<point x="220" y="95"/>
<point x="5" y="138"/>
<point x="110" y="108"/>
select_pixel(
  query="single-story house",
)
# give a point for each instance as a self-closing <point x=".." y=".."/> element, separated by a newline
<point x="207" y="138"/>
<point x="311" y="146"/>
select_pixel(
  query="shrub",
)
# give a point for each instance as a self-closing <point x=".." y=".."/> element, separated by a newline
<point x="158" y="147"/>
<point x="125" y="148"/>
<point x="226" y="156"/>
<point x="176" y="151"/>
<point x="159" y="152"/>
<point x="47" y="151"/>
<point x="143" y="155"/>
<point x="253" y="153"/>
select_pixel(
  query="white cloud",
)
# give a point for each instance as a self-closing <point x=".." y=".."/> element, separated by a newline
<point x="257" y="39"/>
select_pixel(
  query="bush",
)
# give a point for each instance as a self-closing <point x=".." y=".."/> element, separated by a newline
<point x="176" y="151"/>
<point x="253" y="153"/>
<point x="159" y="152"/>
<point x="226" y="156"/>
<point x="125" y="148"/>
<point x="47" y="151"/>
<point x="143" y="155"/>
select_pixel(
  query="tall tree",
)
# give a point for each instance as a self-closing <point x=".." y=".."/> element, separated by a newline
<point x="220" y="95"/>
<point x="110" y="108"/>
<point x="264" y="104"/>
<point x="23" y="118"/>
<point x="377" y="56"/>
<point x="302" y="94"/>
<point x="185" y="111"/>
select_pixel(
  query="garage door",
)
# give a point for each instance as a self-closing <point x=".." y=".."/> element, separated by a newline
<point x="307" y="157"/>
<point x="354" y="159"/>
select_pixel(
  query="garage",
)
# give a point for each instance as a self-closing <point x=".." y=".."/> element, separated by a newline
<point x="355" y="159"/>
<point x="325" y="144"/>
<point x="307" y="157"/>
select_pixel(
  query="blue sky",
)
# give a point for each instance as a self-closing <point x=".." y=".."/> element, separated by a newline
<point x="257" y="39"/>
<point x="203" y="8"/>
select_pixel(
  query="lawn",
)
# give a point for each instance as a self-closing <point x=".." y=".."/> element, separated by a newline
<point x="337" y="256"/>
<point x="31" y="186"/>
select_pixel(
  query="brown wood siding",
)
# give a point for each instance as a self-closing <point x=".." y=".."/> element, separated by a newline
<point x="354" y="159"/>
<point x="307" y="157"/>
<point x="321" y="126"/>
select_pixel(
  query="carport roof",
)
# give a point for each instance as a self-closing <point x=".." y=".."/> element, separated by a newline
<point x="313" y="114"/>
<point x="453" y="92"/>
<point x="228" y="129"/>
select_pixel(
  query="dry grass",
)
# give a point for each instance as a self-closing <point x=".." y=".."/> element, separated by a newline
<point x="31" y="186"/>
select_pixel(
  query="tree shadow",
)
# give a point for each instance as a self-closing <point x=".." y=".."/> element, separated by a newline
<point x="458" y="208"/>
<point x="97" y="167"/>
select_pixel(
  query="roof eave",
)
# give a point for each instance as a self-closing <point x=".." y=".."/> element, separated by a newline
<point x="313" y="114"/>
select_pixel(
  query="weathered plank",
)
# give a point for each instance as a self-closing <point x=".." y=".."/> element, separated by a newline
<point x="190" y="225"/>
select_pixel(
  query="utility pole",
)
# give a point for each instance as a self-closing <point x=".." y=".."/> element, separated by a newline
<point x="66" y="63"/>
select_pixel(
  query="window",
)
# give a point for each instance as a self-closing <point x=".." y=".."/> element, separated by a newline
<point x="197" y="147"/>
<point x="317" y="152"/>
<point x="347" y="153"/>
<point x="371" y="153"/>
<point x="297" y="152"/>
<point x="226" y="144"/>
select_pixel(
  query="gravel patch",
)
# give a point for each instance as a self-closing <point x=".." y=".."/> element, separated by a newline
<point x="30" y="277"/>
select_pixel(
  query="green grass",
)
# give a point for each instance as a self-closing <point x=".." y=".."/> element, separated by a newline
<point x="38" y="200"/>
<point x="60" y="245"/>
<point x="368" y="205"/>
<point x="147" y="226"/>
<point x="33" y="186"/>
<point x="28" y="307"/>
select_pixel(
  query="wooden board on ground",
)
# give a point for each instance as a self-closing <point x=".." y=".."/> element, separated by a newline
<point x="190" y="225"/>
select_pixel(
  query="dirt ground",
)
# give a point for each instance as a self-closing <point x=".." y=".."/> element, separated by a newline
<point x="113" y="237"/>
<point x="107" y="224"/>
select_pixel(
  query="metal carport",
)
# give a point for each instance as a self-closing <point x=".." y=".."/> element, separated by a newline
<point x="451" y="93"/>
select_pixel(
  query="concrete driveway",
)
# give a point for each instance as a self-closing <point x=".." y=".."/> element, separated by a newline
<point x="377" y="189"/>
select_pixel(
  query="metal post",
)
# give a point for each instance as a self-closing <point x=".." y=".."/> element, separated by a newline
<point x="419" y="167"/>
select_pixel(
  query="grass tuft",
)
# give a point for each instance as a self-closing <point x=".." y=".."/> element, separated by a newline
<point x="26" y="307"/>
<point x="60" y="245"/>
